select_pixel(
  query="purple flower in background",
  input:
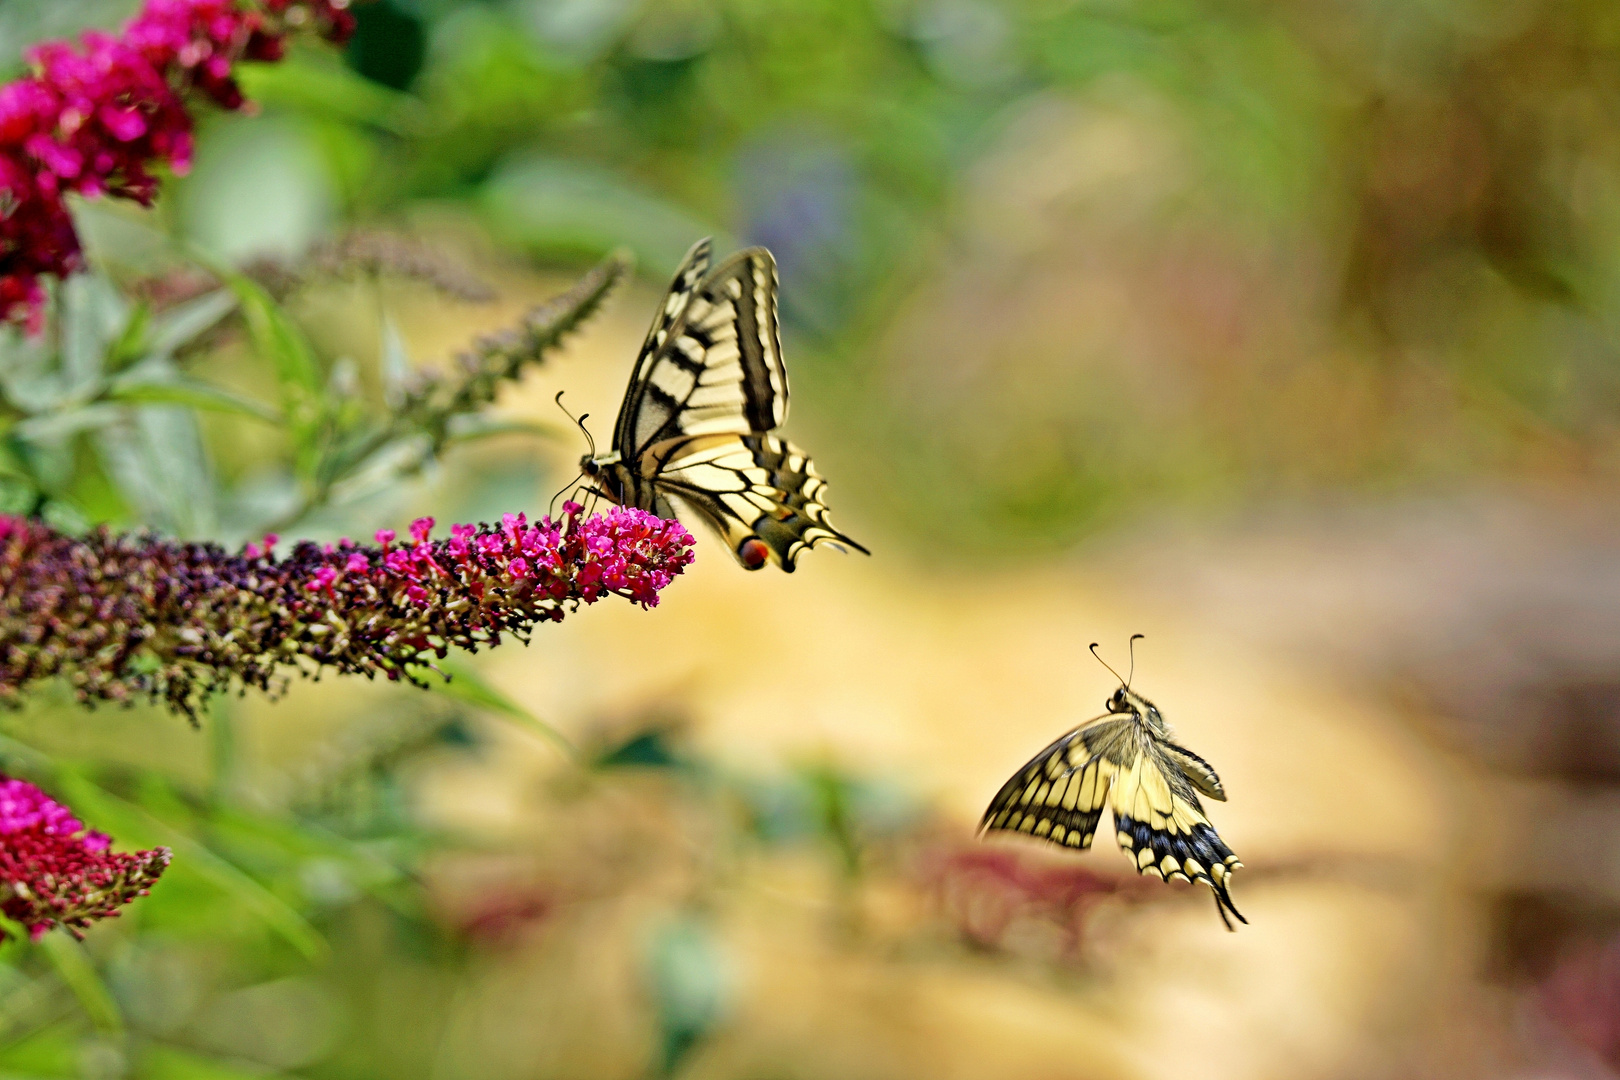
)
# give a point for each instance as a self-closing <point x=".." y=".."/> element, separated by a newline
<point x="96" y="118"/>
<point x="121" y="616"/>
<point x="55" y="872"/>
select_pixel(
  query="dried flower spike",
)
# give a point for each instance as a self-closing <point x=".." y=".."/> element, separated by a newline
<point x="125" y="616"/>
<point x="55" y="872"/>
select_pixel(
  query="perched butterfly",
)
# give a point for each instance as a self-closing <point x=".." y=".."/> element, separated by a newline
<point x="695" y="429"/>
<point x="1126" y="761"/>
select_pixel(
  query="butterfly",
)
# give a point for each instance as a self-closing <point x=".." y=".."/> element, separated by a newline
<point x="696" y="429"/>
<point x="1124" y="760"/>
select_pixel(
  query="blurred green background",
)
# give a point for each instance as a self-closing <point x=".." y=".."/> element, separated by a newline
<point x="1288" y="333"/>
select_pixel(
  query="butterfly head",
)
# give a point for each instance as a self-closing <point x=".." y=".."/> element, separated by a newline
<point x="1125" y="701"/>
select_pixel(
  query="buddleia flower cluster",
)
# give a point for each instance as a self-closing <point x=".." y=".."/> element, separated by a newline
<point x="97" y="117"/>
<point x="124" y="617"/>
<point x="55" y="872"/>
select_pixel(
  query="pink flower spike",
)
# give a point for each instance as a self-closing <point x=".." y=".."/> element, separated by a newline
<point x="385" y="536"/>
<point x="421" y="529"/>
<point x="55" y="872"/>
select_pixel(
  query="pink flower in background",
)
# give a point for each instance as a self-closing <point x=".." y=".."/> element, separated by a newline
<point x="98" y="117"/>
<point x="55" y="872"/>
<point x="124" y="616"/>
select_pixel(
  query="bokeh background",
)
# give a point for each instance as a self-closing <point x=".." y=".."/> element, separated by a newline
<point x="1287" y="334"/>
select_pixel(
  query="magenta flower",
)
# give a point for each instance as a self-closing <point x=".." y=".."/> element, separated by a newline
<point x="55" y="872"/>
<point x="96" y="118"/>
<point x="121" y="616"/>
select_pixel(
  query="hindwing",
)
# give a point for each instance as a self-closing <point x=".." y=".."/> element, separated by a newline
<point x="761" y="493"/>
<point x="1161" y="826"/>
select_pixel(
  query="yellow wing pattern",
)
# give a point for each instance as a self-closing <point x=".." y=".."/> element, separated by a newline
<point x="1161" y="825"/>
<point x="1059" y="795"/>
<point x="1151" y="785"/>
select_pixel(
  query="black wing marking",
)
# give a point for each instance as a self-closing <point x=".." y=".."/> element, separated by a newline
<point x="681" y="289"/>
<point x="712" y="363"/>
<point x="1200" y="773"/>
<point x="761" y="493"/>
<point x="1161" y="826"/>
<point x="1059" y="795"/>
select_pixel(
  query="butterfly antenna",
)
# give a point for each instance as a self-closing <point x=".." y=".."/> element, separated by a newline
<point x="580" y="421"/>
<point x="1132" y="647"/>
<point x="1104" y="663"/>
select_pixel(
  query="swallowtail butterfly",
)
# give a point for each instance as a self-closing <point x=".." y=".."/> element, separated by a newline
<point x="1124" y="760"/>
<point x="696" y="429"/>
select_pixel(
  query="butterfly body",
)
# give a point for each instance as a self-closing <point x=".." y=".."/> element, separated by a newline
<point x="696" y="431"/>
<point x="1126" y="761"/>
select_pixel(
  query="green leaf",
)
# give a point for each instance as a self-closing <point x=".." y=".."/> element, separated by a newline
<point x="328" y="89"/>
<point x="109" y="811"/>
<point x="92" y="315"/>
<point x="172" y="1063"/>
<point x="559" y="208"/>
<point x="395" y="362"/>
<point x="74" y="968"/>
<point x="469" y="427"/>
<point x="280" y="341"/>
<point x="466" y="685"/>
<point x="59" y="425"/>
<point x="184" y="323"/>
<point x="176" y="389"/>
<point x="276" y="337"/>
<point x="131" y="341"/>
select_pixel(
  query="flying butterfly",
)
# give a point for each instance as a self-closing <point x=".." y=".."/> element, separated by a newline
<point x="1124" y="760"/>
<point x="697" y="426"/>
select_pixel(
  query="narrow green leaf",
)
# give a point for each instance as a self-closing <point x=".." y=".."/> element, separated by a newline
<point x="275" y="336"/>
<point x="280" y="341"/>
<point x="131" y="341"/>
<point x="184" y="323"/>
<point x="75" y="969"/>
<point x="395" y="363"/>
<point x="120" y="815"/>
<point x="470" y="427"/>
<point x="469" y="687"/>
<point x="192" y="393"/>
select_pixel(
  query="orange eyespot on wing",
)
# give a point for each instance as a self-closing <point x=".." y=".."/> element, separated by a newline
<point x="753" y="553"/>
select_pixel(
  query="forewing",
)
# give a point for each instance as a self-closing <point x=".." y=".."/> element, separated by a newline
<point x="664" y="324"/>
<point x="1161" y="825"/>
<point x="716" y="368"/>
<point x="1060" y="793"/>
<point x="761" y="493"/>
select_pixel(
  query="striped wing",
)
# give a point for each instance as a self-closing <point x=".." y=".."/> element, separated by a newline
<point x="1162" y="827"/>
<point x="712" y="362"/>
<point x="1059" y="795"/>
<point x="761" y="493"/>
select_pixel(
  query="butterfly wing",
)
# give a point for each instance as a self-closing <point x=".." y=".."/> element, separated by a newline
<point x="761" y="493"/>
<point x="712" y="361"/>
<point x="1161" y="824"/>
<point x="708" y="388"/>
<point x="1059" y="795"/>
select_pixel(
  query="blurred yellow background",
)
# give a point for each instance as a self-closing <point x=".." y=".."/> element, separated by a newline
<point x="1283" y="334"/>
